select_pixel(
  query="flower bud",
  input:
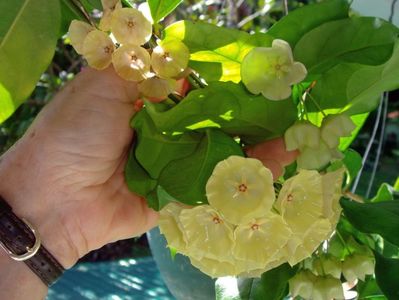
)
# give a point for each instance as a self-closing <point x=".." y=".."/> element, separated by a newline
<point x="169" y="58"/>
<point x="131" y="62"/>
<point x="77" y="33"/>
<point x="97" y="49"/>
<point x="109" y="6"/>
<point x="314" y="158"/>
<point x="129" y="26"/>
<point x="302" y="134"/>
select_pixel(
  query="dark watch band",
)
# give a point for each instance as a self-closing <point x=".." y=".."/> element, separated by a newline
<point x="22" y="243"/>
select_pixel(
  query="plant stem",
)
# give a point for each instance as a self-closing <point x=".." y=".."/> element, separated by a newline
<point x="316" y="104"/>
<point x="343" y="241"/>
<point x="199" y="81"/>
<point x="285" y="7"/>
<point x="81" y="8"/>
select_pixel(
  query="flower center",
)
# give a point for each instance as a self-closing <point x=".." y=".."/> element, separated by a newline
<point x="216" y="220"/>
<point x="130" y="24"/>
<point x="242" y="188"/>
<point x="133" y="57"/>
<point x="255" y="227"/>
<point x="107" y="49"/>
<point x="290" y="198"/>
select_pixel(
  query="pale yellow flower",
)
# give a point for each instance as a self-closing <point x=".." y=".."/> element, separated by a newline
<point x="302" y="134"/>
<point x="109" y="6"/>
<point x="241" y="189"/>
<point x="207" y="233"/>
<point x="157" y="88"/>
<point x="131" y="62"/>
<point x="129" y="26"/>
<point x="357" y="266"/>
<point x="214" y="268"/>
<point x="171" y="227"/>
<point x="97" y="49"/>
<point x="335" y="126"/>
<point x="271" y="71"/>
<point x="314" y="158"/>
<point x="302" y="284"/>
<point x="77" y="33"/>
<point x="260" y="240"/>
<point x="332" y="192"/>
<point x="327" y="287"/>
<point x="327" y="265"/>
<point x="169" y="58"/>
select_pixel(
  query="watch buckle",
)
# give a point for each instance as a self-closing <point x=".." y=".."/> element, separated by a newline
<point x="30" y="251"/>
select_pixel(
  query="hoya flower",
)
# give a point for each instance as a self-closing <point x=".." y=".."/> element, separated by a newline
<point x="77" y="33"/>
<point x="327" y="287"/>
<point x="300" y="201"/>
<point x="302" y="284"/>
<point x="171" y="227"/>
<point x="335" y="126"/>
<point x="327" y="265"/>
<point x="215" y="268"/>
<point x="241" y="189"/>
<point x="271" y="71"/>
<point x="302" y="134"/>
<point x="131" y="62"/>
<point x="169" y="58"/>
<point x="332" y="192"/>
<point x="357" y="266"/>
<point x="109" y="6"/>
<point x="273" y="155"/>
<point x="314" y="158"/>
<point x="207" y="233"/>
<point x="261" y="239"/>
<point x="156" y="88"/>
<point x="129" y="26"/>
<point x="97" y="49"/>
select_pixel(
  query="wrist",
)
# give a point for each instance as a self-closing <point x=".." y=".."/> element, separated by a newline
<point x="28" y="193"/>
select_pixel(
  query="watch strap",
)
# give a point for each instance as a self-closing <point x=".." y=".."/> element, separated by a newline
<point x="22" y="243"/>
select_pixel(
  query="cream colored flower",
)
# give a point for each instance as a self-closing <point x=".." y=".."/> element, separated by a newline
<point x="171" y="227"/>
<point x="332" y="192"/>
<point x="357" y="266"/>
<point x="302" y="134"/>
<point x="272" y="71"/>
<point x="302" y="284"/>
<point x="97" y="49"/>
<point x="129" y="26"/>
<point x="109" y="6"/>
<point x="327" y="265"/>
<point x="327" y="287"/>
<point x="314" y="158"/>
<point x="207" y="233"/>
<point x="260" y="240"/>
<point x="77" y="33"/>
<point x="214" y="268"/>
<point x="335" y="126"/>
<point x="157" y="88"/>
<point x="131" y="62"/>
<point x="300" y="200"/>
<point x="169" y="58"/>
<point x="241" y="189"/>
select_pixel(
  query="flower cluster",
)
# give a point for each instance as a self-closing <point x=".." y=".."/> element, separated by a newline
<point x="244" y="230"/>
<point x="155" y="70"/>
<point x="321" y="279"/>
<point x="277" y="73"/>
<point x="318" y="145"/>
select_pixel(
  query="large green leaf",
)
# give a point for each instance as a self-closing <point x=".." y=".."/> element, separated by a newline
<point x="216" y="52"/>
<point x="363" y="40"/>
<point x="381" y="218"/>
<point x="387" y="275"/>
<point x="230" y="107"/>
<point x="161" y="8"/>
<point x="292" y="27"/>
<point x="185" y="179"/>
<point x="155" y="150"/>
<point x="28" y="35"/>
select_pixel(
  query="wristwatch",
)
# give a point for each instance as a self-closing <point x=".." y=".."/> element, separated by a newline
<point x="22" y="243"/>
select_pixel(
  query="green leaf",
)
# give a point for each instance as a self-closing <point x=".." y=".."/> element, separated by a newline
<point x="273" y="285"/>
<point x="161" y="8"/>
<point x="369" y="289"/>
<point x="216" y="52"/>
<point x="28" y="35"/>
<point x="155" y="150"/>
<point x="384" y="193"/>
<point x="353" y="163"/>
<point x="185" y="179"/>
<point x="292" y="27"/>
<point x="387" y="275"/>
<point x="230" y="107"/>
<point x="138" y="180"/>
<point x="381" y="218"/>
<point x="363" y="40"/>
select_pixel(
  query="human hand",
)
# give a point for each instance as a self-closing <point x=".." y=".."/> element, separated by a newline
<point x="65" y="176"/>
